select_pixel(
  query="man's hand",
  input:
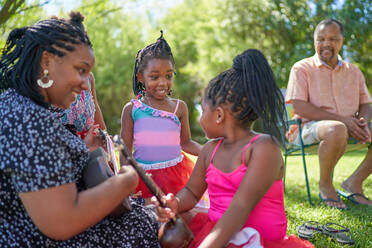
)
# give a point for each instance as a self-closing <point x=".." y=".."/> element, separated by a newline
<point x="365" y="127"/>
<point x="357" y="128"/>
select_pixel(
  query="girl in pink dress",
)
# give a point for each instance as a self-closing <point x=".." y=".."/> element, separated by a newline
<point x="241" y="169"/>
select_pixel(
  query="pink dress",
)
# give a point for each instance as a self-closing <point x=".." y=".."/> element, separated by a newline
<point x="268" y="217"/>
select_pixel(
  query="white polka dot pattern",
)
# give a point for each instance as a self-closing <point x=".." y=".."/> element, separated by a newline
<point x="37" y="152"/>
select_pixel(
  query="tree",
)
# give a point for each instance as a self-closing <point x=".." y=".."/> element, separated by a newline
<point x="205" y="36"/>
<point x="357" y="17"/>
<point x="116" y="38"/>
<point x="9" y="8"/>
<point x="210" y="33"/>
<point x="282" y="29"/>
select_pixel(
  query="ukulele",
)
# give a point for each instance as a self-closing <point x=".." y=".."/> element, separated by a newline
<point x="173" y="234"/>
<point x="112" y="164"/>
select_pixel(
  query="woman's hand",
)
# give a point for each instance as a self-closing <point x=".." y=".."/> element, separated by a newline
<point x="92" y="140"/>
<point x="164" y="214"/>
<point x="132" y="176"/>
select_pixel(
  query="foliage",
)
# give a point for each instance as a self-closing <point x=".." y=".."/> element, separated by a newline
<point x="205" y="36"/>
<point x="357" y="17"/>
<point x="23" y="16"/>
<point x="218" y="30"/>
<point x="116" y="38"/>
<point x="9" y="8"/>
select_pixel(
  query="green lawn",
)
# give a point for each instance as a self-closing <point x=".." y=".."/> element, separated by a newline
<point x="357" y="218"/>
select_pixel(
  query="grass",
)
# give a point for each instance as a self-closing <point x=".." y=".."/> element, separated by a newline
<point x="357" y="218"/>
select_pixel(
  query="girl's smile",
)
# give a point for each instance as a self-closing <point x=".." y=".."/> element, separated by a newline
<point x="158" y="78"/>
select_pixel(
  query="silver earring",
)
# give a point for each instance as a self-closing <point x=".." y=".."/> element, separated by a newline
<point x="45" y="77"/>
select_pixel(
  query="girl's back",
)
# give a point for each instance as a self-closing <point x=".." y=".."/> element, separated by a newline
<point x="268" y="217"/>
<point x="243" y="171"/>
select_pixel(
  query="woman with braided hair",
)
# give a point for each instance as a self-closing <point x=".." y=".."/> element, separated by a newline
<point x="156" y="124"/>
<point x="43" y="199"/>
<point x="242" y="169"/>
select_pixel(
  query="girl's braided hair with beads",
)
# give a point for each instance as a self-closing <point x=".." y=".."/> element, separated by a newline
<point x="21" y="56"/>
<point x="250" y="90"/>
<point x="158" y="50"/>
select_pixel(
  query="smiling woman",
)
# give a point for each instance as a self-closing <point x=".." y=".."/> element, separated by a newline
<point x="69" y="73"/>
<point x="42" y="195"/>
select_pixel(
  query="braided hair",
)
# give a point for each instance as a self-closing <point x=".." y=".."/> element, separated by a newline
<point x="158" y="50"/>
<point x="250" y="89"/>
<point x="21" y="56"/>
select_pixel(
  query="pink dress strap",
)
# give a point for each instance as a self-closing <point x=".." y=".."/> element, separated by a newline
<point x="178" y="102"/>
<point x="215" y="150"/>
<point x="246" y="146"/>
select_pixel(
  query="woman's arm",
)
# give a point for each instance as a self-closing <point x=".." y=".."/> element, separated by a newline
<point x="61" y="212"/>
<point x="126" y="131"/>
<point x="98" y="117"/>
<point x="264" y="161"/>
<point x="187" y="144"/>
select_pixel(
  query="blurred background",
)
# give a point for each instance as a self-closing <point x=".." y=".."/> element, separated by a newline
<point x="205" y="35"/>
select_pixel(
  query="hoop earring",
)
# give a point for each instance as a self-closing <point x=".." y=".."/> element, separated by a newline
<point x="45" y="76"/>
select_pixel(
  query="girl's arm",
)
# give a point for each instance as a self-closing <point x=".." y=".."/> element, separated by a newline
<point x="265" y="163"/>
<point x="98" y="117"/>
<point x="187" y="144"/>
<point x="126" y="131"/>
<point x="61" y="212"/>
<point x="190" y="195"/>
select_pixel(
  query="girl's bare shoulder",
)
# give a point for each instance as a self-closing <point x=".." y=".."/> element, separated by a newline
<point x="266" y="140"/>
<point x="182" y="106"/>
<point x="208" y="148"/>
<point x="128" y="106"/>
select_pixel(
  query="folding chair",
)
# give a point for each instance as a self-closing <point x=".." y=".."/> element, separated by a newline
<point x="291" y="149"/>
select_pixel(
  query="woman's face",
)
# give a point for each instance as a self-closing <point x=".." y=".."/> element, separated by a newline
<point x="70" y="75"/>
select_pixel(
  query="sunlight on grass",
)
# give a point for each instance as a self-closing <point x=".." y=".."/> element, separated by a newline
<point x="357" y="218"/>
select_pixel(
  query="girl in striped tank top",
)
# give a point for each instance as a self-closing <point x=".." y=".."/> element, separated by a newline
<point x="157" y="125"/>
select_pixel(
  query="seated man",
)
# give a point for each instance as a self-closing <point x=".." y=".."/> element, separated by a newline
<point x="331" y="97"/>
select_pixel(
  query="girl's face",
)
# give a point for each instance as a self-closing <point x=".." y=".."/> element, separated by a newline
<point x="158" y="78"/>
<point x="208" y="120"/>
<point x="69" y="73"/>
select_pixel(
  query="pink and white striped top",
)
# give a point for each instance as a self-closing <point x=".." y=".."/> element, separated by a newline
<point x="156" y="136"/>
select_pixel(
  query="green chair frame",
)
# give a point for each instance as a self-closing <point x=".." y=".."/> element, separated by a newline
<point x="290" y="149"/>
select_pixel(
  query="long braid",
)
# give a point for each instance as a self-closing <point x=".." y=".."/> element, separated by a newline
<point x="21" y="56"/>
<point x="158" y="50"/>
<point x="249" y="86"/>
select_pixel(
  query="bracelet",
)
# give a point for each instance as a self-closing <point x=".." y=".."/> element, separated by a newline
<point x="192" y="193"/>
<point x="178" y="203"/>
